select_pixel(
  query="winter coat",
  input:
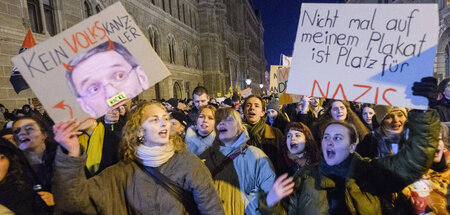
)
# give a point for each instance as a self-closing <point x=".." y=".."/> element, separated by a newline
<point x="239" y="182"/>
<point x="378" y="144"/>
<point x="280" y="122"/>
<point x="125" y="189"/>
<point x="196" y="143"/>
<point x="367" y="180"/>
<point x="443" y="108"/>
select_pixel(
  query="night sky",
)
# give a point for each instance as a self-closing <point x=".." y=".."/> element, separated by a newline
<point x="280" y="20"/>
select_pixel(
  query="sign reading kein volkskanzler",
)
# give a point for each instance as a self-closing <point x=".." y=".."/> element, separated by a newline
<point x="92" y="67"/>
<point x="370" y="53"/>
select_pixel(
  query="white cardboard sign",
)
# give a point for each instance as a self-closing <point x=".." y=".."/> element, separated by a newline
<point x="370" y="53"/>
<point x="98" y="64"/>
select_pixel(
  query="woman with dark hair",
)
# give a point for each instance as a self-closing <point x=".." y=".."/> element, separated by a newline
<point x="35" y="140"/>
<point x="339" y="111"/>
<point x="368" y="116"/>
<point x="345" y="183"/>
<point x="300" y="149"/>
<point x="156" y="175"/>
<point x="16" y="192"/>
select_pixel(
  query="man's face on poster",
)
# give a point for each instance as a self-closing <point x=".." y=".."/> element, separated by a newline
<point x="104" y="75"/>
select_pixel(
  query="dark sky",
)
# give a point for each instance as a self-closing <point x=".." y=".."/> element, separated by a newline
<point x="280" y="20"/>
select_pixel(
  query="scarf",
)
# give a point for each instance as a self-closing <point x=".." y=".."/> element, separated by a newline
<point x="256" y="132"/>
<point x="155" y="156"/>
<point x="340" y="170"/>
<point x="94" y="146"/>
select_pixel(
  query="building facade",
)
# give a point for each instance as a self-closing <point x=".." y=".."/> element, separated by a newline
<point x="213" y="43"/>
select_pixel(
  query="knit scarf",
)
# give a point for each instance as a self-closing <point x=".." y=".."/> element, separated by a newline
<point x="256" y="132"/>
<point x="94" y="146"/>
<point x="340" y="170"/>
<point x="155" y="156"/>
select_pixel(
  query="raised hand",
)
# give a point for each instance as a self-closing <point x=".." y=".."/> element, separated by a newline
<point x="282" y="187"/>
<point x="66" y="135"/>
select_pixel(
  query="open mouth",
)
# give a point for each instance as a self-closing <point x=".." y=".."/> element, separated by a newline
<point x="330" y="153"/>
<point x="204" y="126"/>
<point x="24" y="140"/>
<point x="251" y="114"/>
<point x="163" y="133"/>
<point x="293" y="145"/>
<point x="223" y="130"/>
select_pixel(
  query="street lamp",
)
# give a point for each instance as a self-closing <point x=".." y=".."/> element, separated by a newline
<point x="261" y="86"/>
<point x="248" y="80"/>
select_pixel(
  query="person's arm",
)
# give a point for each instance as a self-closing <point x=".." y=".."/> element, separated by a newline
<point x="391" y="174"/>
<point x="205" y="195"/>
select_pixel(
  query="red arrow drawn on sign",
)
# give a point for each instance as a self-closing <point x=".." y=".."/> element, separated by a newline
<point x="63" y="106"/>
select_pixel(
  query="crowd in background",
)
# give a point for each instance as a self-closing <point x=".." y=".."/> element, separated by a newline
<point x="239" y="156"/>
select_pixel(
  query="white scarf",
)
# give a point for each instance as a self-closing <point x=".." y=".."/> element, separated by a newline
<point x="155" y="156"/>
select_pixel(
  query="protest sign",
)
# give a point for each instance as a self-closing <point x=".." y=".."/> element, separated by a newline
<point x="98" y="64"/>
<point x="274" y="78"/>
<point x="246" y="92"/>
<point x="368" y="53"/>
<point x="286" y="60"/>
<point x="285" y="98"/>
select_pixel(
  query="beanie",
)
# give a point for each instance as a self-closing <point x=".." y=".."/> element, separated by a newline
<point x="443" y="85"/>
<point x="273" y="104"/>
<point x="173" y="102"/>
<point x="381" y="111"/>
<point x="179" y="116"/>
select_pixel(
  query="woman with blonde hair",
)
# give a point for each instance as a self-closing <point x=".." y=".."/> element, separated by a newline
<point x="202" y="135"/>
<point x="157" y="175"/>
<point x="240" y="172"/>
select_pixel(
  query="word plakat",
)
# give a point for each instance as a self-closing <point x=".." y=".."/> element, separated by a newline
<point x="370" y="53"/>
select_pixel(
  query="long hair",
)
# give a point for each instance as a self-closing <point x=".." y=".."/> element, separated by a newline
<point x="16" y="170"/>
<point x="312" y="152"/>
<point x="43" y="126"/>
<point x="130" y="143"/>
<point x="351" y="118"/>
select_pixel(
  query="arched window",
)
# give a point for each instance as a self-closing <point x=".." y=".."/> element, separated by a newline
<point x="153" y="38"/>
<point x="98" y="8"/>
<point x="171" y="45"/>
<point x="198" y="59"/>
<point x="185" y="54"/>
<point x="87" y="9"/>
<point x="34" y="12"/>
<point x="177" y="93"/>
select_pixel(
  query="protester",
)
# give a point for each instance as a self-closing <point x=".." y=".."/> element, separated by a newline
<point x="430" y="194"/>
<point x="202" y="136"/>
<point x="179" y="123"/>
<point x="36" y="142"/>
<point x="201" y="98"/>
<point x="338" y="111"/>
<point x="16" y="191"/>
<point x="368" y="116"/>
<point x="390" y="137"/>
<point x="171" y="105"/>
<point x="101" y="140"/>
<point x="152" y="162"/>
<point x="267" y="138"/>
<point x="239" y="171"/>
<point x="275" y="117"/>
<point x="300" y="149"/>
<point x="345" y="183"/>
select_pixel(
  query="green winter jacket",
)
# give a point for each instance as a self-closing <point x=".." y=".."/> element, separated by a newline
<point x="368" y="179"/>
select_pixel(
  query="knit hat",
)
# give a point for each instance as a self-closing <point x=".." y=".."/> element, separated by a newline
<point x="180" y="116"/>
<point x="443" y="85"/>
<point x="228" y="102"/>
<point x="173" y="102"/>
<point x="273" y="104"/>
<point x="381" y="111"/>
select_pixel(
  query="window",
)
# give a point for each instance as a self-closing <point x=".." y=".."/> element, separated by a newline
<point x="34" y="13"/>
<point x="49" y="13"/>
<point x="184" y="14"/>
<point x="153" y="2"/>
<point x="170" y="7"/>
<point x="171" y="42"/>
<point x="177" y="90"/>
<point x="98" y="8"/>
<point x="178" y="7"/>
<point x="87" y="9"/>
<point x="185" y="55"/>
<point x="153" y="38"/>
<point x="164" y="5"/>
<point x="197" y="60"/>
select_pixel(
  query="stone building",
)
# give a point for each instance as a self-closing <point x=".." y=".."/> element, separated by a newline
<point x="214" y="43"/>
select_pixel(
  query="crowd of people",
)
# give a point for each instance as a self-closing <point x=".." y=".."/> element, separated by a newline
<point x="239" y="156"/>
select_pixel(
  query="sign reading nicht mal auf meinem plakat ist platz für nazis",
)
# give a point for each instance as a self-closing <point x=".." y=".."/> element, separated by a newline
<point x="98" y="64"/>
<point x="370" y="53"/>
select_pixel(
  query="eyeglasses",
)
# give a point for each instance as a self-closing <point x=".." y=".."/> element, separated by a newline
<point x="97" y="88"/>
